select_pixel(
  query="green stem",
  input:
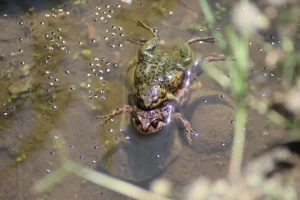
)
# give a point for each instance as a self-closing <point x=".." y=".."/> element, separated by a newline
<point x="238" y="142"/>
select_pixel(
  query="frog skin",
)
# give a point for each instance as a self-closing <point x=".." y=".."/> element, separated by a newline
<point x="151" y="121"/>
<point x="160" y="72"/>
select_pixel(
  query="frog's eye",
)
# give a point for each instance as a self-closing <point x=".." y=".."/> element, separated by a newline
<point x="154" y="123"/>
<point x="137" y="121"/>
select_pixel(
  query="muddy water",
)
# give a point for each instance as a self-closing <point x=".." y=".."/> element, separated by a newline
<point x="64" y="64"/>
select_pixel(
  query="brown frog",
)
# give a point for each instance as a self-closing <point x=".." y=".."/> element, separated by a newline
<point x="169" y="81"/>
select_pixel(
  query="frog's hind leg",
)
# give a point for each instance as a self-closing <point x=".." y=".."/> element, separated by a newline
<point x="118" y="111"/>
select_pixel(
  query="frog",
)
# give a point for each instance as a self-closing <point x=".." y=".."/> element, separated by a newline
<point x="160" y="72"/>
<point x="150" y="121"/>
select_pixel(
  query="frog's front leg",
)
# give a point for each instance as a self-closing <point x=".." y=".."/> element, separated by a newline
<point x="186" y="124"/>
<point x="213" y="58"/>
<point x="150" y="44"/>
<point x="185" y="50"/>
<point x="118" y="111"/>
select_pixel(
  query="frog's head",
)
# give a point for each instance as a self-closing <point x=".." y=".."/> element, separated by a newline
<point x="148" y="122"/>
<point x="152" y="97"/>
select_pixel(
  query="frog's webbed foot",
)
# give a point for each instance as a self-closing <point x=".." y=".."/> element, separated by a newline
<point x="199" y="39"/>
<point x="115" y="112"/>
<point x="187" y="126"/>
<point x="141" y="24"/>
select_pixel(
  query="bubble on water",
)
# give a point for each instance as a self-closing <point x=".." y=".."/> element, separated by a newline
<point x="127" y="138"/>
<point x="195" y="134"/>
<point x="72" y="88"/>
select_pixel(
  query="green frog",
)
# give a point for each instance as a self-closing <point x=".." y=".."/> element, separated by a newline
<point x="160" y="72"/>
<point x="151" y="102"/>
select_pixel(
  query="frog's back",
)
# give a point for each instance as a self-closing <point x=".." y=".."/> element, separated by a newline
<point x="163" y="68"/>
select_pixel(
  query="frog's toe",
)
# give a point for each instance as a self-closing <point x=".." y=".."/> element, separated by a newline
<point x="189" y="140"/>
<point x="105" y="120"/>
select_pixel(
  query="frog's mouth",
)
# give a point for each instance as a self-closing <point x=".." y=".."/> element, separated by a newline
<point x="149" y="128"/>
